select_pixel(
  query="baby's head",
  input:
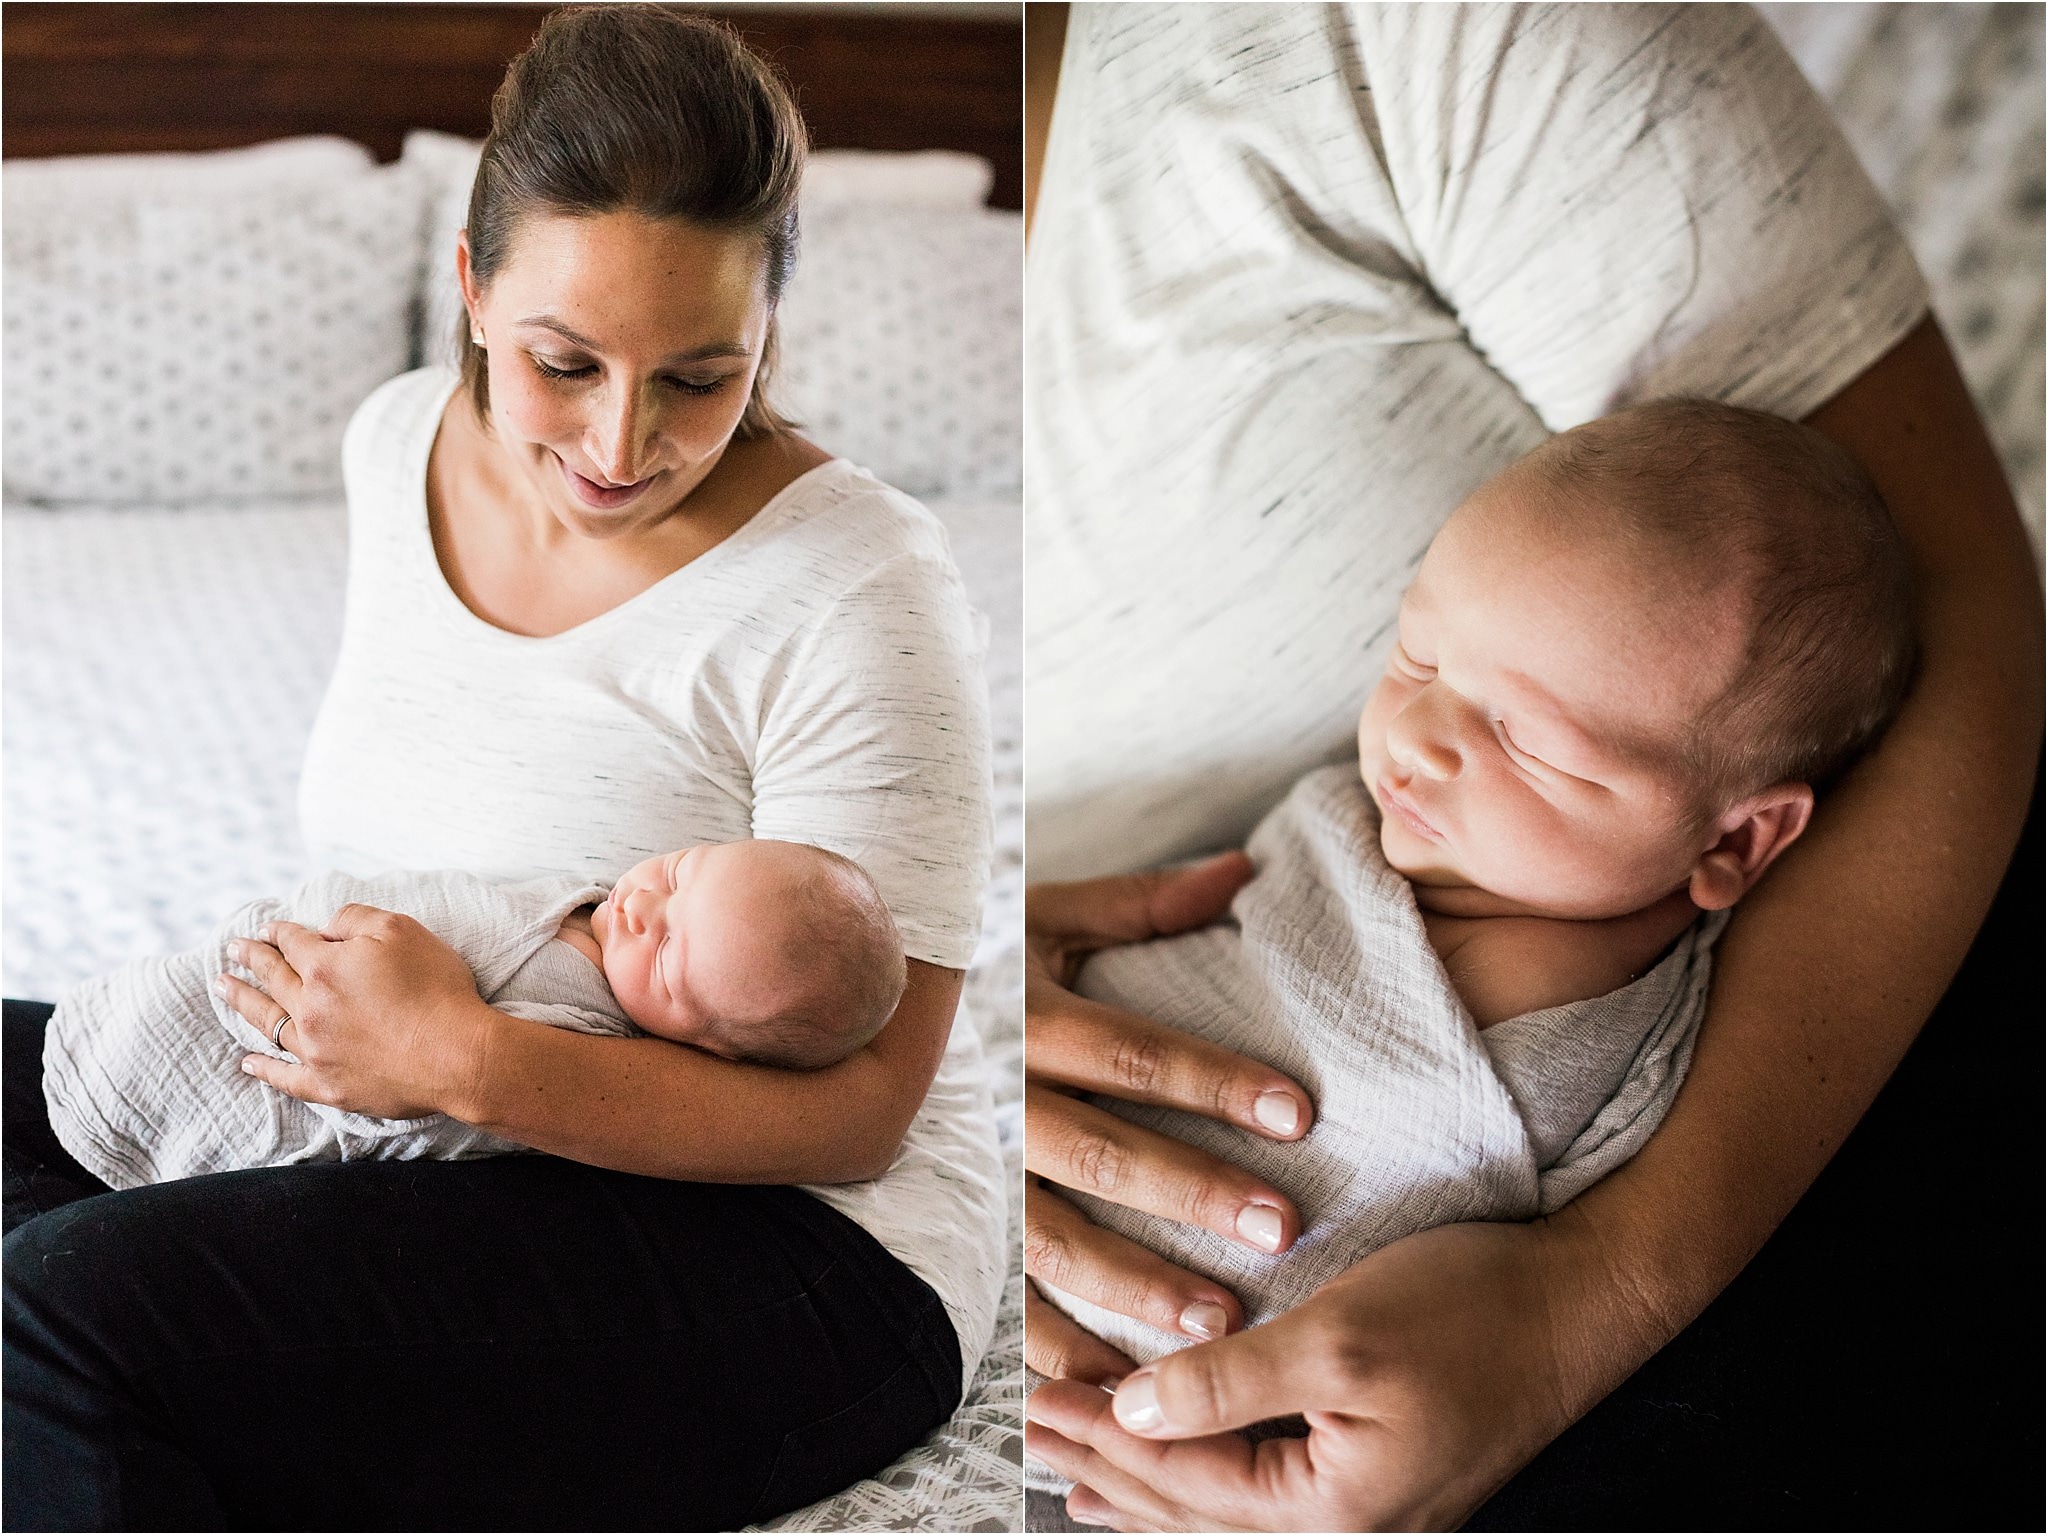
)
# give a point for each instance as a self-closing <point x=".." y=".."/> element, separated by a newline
<point x="1627" y="660"/>
<point x="772" y="952"/>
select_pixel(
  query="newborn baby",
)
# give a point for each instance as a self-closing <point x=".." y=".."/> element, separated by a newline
<point x="1619" y="673"/>
<point x="771" y="952"/>
<point x="1622" y="668"/>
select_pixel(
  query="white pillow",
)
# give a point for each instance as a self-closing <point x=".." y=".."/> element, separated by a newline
<point x="202" y="334"/>
<point x="902" y="344"/>
<point x="221" y="172"/>
<point x="924" y="178"/>
<point x="901" y="333"/>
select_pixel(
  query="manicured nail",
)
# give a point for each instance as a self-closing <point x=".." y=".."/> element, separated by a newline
<point x="235" y="950"/>
<point x="267" y="933"/>
<point x="247" y="1068"/>
<point x="1260" y="1226"/>
<point x="220" y="985"/>
<point x="1277" y="1111"/>
<point x="1205" y="1319"/>
<point x="1137" y="1404"/>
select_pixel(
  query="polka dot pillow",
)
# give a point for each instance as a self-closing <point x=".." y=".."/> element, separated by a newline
<point x="902" y="343"/>
<point x="204" y="333"/>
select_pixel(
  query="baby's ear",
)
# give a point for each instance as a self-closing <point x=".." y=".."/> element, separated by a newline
<point x="1753" y="832"/>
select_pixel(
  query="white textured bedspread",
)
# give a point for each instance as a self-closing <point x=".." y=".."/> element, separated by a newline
<point x="161" y="671"/>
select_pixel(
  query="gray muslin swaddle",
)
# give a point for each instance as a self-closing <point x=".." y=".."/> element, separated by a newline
<point x="142" y="1067"/>
<point x="1327" y="974"/>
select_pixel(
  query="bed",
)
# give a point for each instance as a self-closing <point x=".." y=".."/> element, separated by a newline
<point x="170" y="618"/>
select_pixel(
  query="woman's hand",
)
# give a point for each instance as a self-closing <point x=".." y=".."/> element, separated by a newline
<point x="1080" y="1046"/>
<point x="1428" y="1374"/>
<point x="384" y="1015"/>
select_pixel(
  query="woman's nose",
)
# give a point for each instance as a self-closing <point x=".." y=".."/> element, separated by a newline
<point x="1423" y="737"/>
<point x="619" y="440"/>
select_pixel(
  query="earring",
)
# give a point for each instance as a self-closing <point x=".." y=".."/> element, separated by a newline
<point x="476" y="335"/>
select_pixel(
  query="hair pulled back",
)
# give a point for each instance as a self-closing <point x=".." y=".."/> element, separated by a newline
<point x="636" y="108"/>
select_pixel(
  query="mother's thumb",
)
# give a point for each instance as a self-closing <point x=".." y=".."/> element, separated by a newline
<point x="1268" y="1372"/>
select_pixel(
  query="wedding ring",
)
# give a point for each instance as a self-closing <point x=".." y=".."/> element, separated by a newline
<point x="277" y="1033"/>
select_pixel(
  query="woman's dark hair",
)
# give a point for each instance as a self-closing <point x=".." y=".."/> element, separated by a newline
<point x="636" y="108"/>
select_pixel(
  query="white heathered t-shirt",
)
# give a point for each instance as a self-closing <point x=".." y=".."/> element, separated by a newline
<point x="815" y="677"/>
<point x="1301" y="277"/>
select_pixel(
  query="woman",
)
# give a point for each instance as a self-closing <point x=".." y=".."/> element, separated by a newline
<point x="602" y="602"/>
<point x="1358" y="259"/>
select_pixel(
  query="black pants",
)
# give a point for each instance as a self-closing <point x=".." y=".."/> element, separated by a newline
<point x="513" y="1343"/>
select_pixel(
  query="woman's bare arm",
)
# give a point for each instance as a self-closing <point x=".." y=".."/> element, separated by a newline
<point x="648" y="1106"/>
<point x="1831" y="965"/>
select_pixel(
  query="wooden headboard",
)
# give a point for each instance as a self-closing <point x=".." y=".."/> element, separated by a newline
<point x="92" y="78"/>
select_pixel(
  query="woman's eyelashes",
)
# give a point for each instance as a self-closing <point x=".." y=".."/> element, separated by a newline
<point x="550" y="370"/>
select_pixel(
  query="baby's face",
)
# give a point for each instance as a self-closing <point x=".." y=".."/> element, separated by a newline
<point x="687" y="937"/>
<point x="1525" y="744"/>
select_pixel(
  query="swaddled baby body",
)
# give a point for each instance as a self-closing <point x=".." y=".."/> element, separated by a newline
<point x="1621" y="668"/>
<point x="772" y="952"/>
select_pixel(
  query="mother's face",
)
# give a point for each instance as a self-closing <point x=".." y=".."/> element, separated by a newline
<point x="622" y="351"/>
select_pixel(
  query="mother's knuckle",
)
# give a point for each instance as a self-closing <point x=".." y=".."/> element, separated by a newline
<point x="1139" y="1062"/>
<point x="1202" y="1202"/>
<point x="1196" y="1391"/>
<point x="1097" y="1161"/>
<point x="1048" y="1254"/>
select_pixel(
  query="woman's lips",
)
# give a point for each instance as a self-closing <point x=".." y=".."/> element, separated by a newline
<point x="1409" y="815"/>
<point x="605" y="498"/>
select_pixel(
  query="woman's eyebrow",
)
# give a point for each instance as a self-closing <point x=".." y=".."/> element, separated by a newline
<point x="707" y="353"/>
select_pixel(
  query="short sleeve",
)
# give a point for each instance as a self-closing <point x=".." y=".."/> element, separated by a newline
<point x="875" y="745"/>
<point x="1625" y="201"/>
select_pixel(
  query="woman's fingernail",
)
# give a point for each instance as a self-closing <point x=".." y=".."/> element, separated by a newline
<point x="1277" y="1111"/>
<point x="1260" y="1226"/>
<point x="220" y="985"/>
<point x="267" y="933"/>
<point x="1205" y="1319"/>
<point x="1137" y="1403"/>
<point x="251" y="1070"/>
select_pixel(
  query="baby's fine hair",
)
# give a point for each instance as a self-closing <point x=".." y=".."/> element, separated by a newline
<point x="845" y="943"/>
<point x="1832" y="645"/>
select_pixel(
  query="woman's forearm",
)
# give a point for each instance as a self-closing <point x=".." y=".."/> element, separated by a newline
<point x="650" y="1106"/>
<point x="1832" y="964"/>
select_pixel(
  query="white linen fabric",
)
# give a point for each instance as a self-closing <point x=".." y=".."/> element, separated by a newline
<point x="260" y="294"/>
<point x="1328" y="975"/>
<point x="1302" y="277"/>
<point x="142" y="1067"/>
<point x="816" y="677"/>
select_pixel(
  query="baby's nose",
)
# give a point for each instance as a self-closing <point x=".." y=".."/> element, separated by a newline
<point x="633" y="907"/>
<point x="1422" y="740"/>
